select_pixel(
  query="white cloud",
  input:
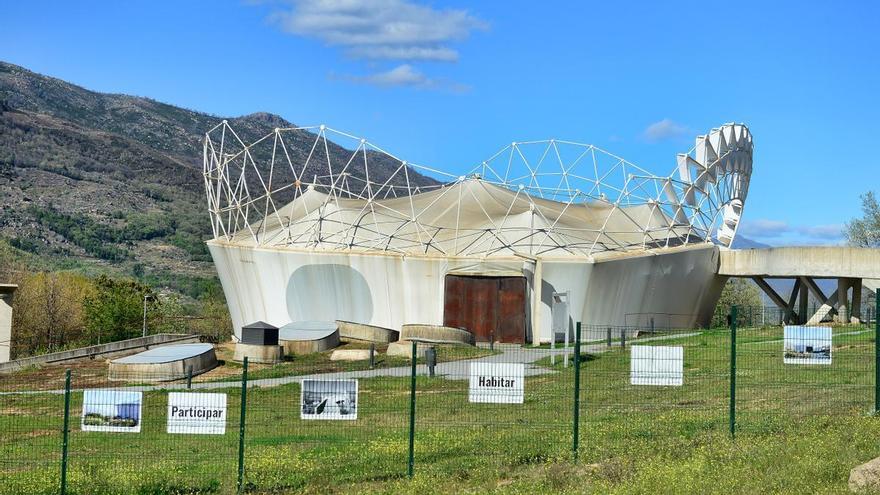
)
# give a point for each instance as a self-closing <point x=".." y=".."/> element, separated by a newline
<point x="764" y="228"/>
<point x="407" y="75"/>
<point x="438" y="54"/>
<point x="792" y="234"/>
<point x="664" y="129"/>
<point x="380" y="29"/>
<point x="402" y="75"/>
<point x="831" y="232"/>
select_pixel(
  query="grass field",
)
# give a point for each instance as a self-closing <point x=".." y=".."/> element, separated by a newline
<point x="800" y="430"/>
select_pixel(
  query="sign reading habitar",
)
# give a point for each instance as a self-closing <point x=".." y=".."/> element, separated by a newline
<point x="499" y="383"/>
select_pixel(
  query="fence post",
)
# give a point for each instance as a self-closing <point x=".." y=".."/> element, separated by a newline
<point x="733" y="311"/>
<point x="623" y="338"/>
<point x="189" y="376"/>
<point x="577" y="390"/>
<point x="412" y="414"/>
<point x="242" y="415"/>
<point x="608" y="339"/>
<point x="876" y="354"/>
<point x="64" y="432"/>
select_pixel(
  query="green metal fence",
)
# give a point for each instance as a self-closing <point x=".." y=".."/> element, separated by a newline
<point x="311" y="422"/>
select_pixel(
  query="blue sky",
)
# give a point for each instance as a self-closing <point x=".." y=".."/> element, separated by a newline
<point x="446" y="84"/>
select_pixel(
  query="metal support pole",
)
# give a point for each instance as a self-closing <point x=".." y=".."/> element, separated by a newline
<point x="241" y="425"/>
<point x="733" y="371"/>
<point x="565" y="350"/>
<point x="412" y="414"/>
<point x="608" y="341"/>
<point x="623" y="338"/>
<point x="577" y="390"/>
<point x="877" y="356"/>
<point x="189" y="376"/>
<point x="372" y="356"/>
<point x="145" y="316"/>
<point x="64" y="432"/>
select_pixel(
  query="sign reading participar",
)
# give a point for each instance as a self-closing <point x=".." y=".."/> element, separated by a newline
<point x="499" y="383"/>
<point x="196" y="413"/>
<point x="656" y="365"/>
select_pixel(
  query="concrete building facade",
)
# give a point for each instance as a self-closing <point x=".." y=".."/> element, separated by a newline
<point x="489" y="251"/>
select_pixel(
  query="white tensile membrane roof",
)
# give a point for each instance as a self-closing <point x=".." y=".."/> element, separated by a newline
<point x="538" y="198"/>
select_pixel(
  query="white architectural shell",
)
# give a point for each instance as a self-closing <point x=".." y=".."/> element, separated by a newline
<point x="630" y="247"/>
<point x="536" y="198"/>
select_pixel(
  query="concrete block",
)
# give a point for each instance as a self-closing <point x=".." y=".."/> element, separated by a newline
<point x="403" y="348"/>
<point x="258" y="353"/>
<point x="350" y="355"/>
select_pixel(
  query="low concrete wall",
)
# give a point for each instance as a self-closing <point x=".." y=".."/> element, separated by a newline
<point x="160" y="372"/>
<point x="436" y="334"/>
<point x="299" y="347"/>
<point x="102" y="351"/>
<point x="358" y="332"/>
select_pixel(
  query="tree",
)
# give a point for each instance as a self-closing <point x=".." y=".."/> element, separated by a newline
<point x="115" y="311"/>
<point x="865" y="231"/>
<point x="739" y="292"/>
<point x="47" y="312"/>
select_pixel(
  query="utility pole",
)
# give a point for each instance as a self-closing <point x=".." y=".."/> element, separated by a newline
<point x="145" y="314"/>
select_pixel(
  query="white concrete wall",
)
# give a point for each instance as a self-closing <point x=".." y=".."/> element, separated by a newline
<point x="282" y="286"/>
<point x="5" y="327"/>
<point x="560" y="277"/>
<point x="678" y="289"/>
<point x="279" y="286"/>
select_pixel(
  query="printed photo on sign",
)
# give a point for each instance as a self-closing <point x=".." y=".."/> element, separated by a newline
<point x="196" y="413"/>
<point x="111" y="410"/>
<point x="656" y="365"/>
<point x="806" y="345"/>
<point x="499" y="383"/>
<point x="329" y="399"/>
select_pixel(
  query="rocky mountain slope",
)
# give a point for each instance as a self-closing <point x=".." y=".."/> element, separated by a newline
<point x="112" y="183"/>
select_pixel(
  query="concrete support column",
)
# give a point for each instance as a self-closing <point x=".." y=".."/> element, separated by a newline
<point x="803" y="300"/>
<point x="6" y="292"/>
<point x="856" y="306"/>
<point x="842" y="300"/>
<point x="536" y="309"/>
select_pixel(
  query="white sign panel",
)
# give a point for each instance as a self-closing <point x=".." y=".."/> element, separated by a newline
<point x="499" y="383"/>
<point x="656" y="365"/>
<point x="329" y="399"/>
<point x="111" y="410"/>
<point x="806" y="345"/>
<point x="196" y="413"/>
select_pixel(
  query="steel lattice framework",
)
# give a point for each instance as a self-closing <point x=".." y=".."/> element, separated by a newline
<point x="550" y="197"/>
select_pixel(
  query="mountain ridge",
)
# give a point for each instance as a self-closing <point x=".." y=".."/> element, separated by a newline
<point x="112" y="183"/>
